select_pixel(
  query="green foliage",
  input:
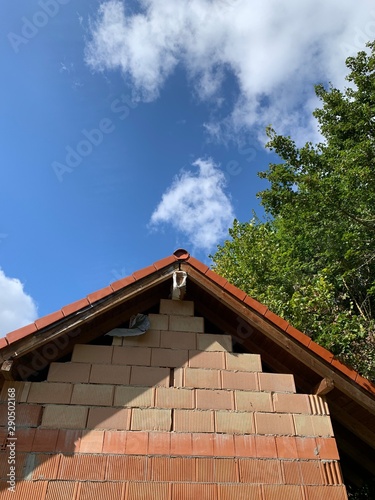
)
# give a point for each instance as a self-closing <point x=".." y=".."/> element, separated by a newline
<point x="313" y="260"/>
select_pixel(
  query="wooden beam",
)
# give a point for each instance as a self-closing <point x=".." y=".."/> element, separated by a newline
<point x="6" y="370"/>
<point x="324" y="387"/>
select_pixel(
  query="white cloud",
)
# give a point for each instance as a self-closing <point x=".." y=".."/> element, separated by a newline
<point x="276" y="51"/>
<point x="197" y="206"/>
<point x="16" y="307"/>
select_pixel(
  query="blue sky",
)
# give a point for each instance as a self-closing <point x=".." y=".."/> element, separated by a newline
<point x="129" y="129"/>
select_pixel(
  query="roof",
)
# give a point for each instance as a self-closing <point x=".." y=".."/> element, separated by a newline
<point x="254" y="327"/>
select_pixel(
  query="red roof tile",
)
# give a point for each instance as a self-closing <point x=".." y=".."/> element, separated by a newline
<point x="49" y="319"/>
<point x="75" y="306"/>
<point x="20" y="333"/>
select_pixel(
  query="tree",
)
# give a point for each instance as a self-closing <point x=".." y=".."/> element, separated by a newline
<point x="312" y="260"/>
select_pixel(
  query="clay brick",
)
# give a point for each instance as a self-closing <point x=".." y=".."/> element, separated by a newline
<point x="68" y="441"/>
<point x="171" y="358"/>
<point x="193" y="421"/>
<point x="243" y="362"/>
<point x="286" y="447"/>
<point x="69" y="372"/>
<point x="159" y="443"/>
<point x="260" y="471"/>
<point x="202" y="379"/>
<point x="88" y="490"/>
<point x="239" y="491"/>
<point x="147" y="490"/>
<point x="99" y="354"/>
<point x="110" y="374"/>
<point x="253" y="401"/>
<point x="49" y="392"/>
<point x="303" y="425"/>
<point x="322" y="425"/>
<point x="205" y="468"/>
<point x="239" y="380"/>
<point x="177" y="307"/>
<point x="134" y="396"/>
<point x="22" y="390"/>
<point x="234" y="423"/>
<point x="214" y="400"/>
<point x="178" y="340"/>
<point x="327" y="448"/>
<point x="60" y="490"/>
<point x="212" y="342"/>
<point x="64" y="417"/>
<point x="314" y="425"/>
<point x="133" y="468"/>
<point x="149" y="376"/>
<point x="291" y="403"/>
<point x="187" y="491"/>
<point x="318" y="405"/>
<point x="307" y="448"/>
<point x="311" y="473"/>
<point x="131" y="356"/>
<point x="109" y="418"/>
<point x="159" y="321"/>
<point x="82" y="467"/>
<point x="117" y="341"/>
<point x="151" y="420"/>
<point x="172" y="469"/>
<point x="224" y="445"/>
<point x="245" y="446"/>
<point x="27" y="489"/>
<point x="292" y="471"/>
<point x="206" y="359"/>
<point x="136" y="443"/>
<point x="25" y="438"/>
<point x="149" y="339"/>
<point x="114" y="442"/>
<point x="186" y="324"/>
<point x="281" y="491"/>
<point x="226" y="470"/>
<point x="178" y="377"/>
<point x="276" y="382"/>
<point x="44" y="466"/>
<point x="45" y="440"/>
<point x="91" y="442"/>
<point x="274" y="423"/>
<point x="203" y="445"/>
<point x="26" y="415"/>
<point x="331" y="492"/>
<point x="172" y="397"/>
<point x="181" y="444"/>
<point x="265" y="446"/>
<point x="92" y="394"/>
<point x="331" y="473"/>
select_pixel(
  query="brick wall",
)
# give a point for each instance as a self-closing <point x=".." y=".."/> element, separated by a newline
<point x="172" y="414"/>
